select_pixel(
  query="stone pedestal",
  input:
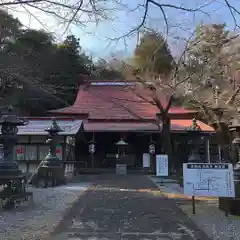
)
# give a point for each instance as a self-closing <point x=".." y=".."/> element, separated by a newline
<point x="50" y="176"/>
<point x="231" y="205"/>
<point x="121" y="165"/>
<point x="121" y="169"/>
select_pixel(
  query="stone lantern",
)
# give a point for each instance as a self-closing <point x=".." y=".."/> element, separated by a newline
<point x="194" y="133"/>
<point x="235" y="129"/>
<point x="231" y="205"/>
<point x="121" y="160"/>
<point x="11" y="177"/>
<point x="8" y="167"/>
<point x="53" y="131"/>
<point x="52" y="169"/>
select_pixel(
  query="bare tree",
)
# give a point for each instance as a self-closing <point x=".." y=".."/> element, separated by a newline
<point x="85" y="11"/>
<point x="63" y="13"/>
<point x="201" y="76"/>
<point x="71" y="12"/>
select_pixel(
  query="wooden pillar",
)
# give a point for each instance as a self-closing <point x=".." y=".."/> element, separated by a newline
<point x="208" y="155"/>
<point x="92" y="155"/>
<point x="219" y="153"/>
<point x="28" y="163"/>
<point x="64" y="145"/>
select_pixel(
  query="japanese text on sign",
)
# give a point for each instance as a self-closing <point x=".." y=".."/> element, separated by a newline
<point x="213" y="180"/>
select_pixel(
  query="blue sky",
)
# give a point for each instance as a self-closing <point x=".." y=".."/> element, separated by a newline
<point x="180" y="24"/>
<point x="96" y="39"/>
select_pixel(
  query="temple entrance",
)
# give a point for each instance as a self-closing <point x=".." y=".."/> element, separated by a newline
<point x="107" y="152"/>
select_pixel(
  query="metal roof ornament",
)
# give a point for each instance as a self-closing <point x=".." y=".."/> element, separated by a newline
<point x="121" y="142"/>
<point x="194" y="127"/>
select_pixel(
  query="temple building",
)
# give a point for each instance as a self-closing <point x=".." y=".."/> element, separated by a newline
<point x="115" y="111"/>
<point x="31" y="147"/>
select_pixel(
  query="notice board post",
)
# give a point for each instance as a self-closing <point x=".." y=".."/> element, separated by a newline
<point x="208" y="180"/>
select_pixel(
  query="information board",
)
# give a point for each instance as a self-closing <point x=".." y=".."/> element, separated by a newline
<point x="203" y="179"/>
<point x="162" y="165"/>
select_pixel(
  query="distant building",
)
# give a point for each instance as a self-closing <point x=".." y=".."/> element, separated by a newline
<point x="31" y="148"/>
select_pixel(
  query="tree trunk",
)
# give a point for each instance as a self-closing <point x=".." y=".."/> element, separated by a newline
<point x="167" y="141"/>
<point x="224" y="140"/>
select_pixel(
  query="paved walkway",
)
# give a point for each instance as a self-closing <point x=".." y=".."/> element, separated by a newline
<point x="127" y="208"/>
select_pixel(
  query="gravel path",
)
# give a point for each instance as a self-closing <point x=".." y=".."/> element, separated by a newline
<point x="126" y="208"/>
<point x="34" y="220"/>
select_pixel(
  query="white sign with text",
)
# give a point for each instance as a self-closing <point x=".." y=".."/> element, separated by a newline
<point x="146" y="160"/>
<point x="206" y="179"/>
<point x="162" y="165"/>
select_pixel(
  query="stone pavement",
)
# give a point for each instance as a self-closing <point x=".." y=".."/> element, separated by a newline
<point x="127" y="208"/>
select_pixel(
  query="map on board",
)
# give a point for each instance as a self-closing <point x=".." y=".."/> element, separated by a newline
<point x="214" y="180"/>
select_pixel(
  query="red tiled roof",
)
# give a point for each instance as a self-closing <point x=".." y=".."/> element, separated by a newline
<point x="176" y="125"/>
<point x="116" y="103"/>
<point x="182" y="124"/>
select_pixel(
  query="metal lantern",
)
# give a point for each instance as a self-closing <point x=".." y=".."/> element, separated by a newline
<point x="121" y="145"/>
<point x="92" y="147"/>
<point x="92" y="150"/>
<point x="152" y="148"/>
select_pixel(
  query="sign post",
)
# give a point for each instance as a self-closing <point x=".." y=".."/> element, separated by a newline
<point x="208" y="180"/>
<point x="193" y="205"/>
